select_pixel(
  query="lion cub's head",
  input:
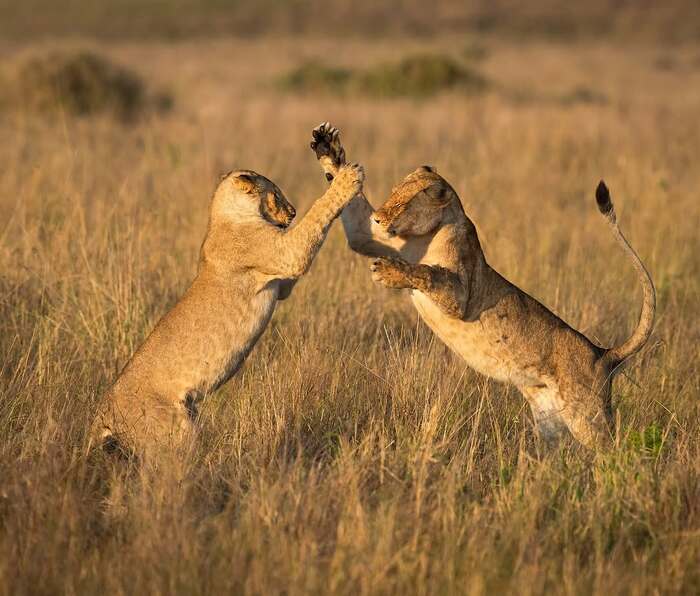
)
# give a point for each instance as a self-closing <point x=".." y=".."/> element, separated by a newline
<point x="416" y="205"/>
<point x="244" y="196"/>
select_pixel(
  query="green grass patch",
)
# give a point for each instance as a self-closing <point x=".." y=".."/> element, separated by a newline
<point x="649" y="441"/>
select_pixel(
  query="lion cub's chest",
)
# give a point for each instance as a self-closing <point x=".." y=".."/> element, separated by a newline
<point x="241" y="321"/>
<point x="261" y="306"/>
<point x="252" y="312"/>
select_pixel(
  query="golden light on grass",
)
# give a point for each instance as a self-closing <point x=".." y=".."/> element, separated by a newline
<point x="353" y="453"/>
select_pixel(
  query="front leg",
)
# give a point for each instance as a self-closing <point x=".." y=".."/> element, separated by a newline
<point x="300" y="244"/>
<point x="442" y="286"/>
<point x="289" y="254"/>
<point x="357" y="215"/>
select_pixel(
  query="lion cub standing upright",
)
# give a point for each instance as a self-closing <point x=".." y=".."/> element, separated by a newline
<point x="248" y="261"/>
<point x="427" y="245"/>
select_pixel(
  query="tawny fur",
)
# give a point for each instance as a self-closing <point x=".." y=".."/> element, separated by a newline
<point x="248" y="261"/>
<point x="428" y="245"/>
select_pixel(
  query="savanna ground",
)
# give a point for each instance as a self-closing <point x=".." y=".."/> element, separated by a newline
<point x="354" y="453"/>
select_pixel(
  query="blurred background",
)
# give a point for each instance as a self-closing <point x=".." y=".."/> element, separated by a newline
<point x="353" y="453"/>
<point x="670" y="21"/>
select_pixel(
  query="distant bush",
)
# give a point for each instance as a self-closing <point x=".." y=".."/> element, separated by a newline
<point x="666" y="62"/>
<point x="475" y="51"/>
<point x="315" y="76"/>
<point x="420" y="75"/>
<point x="80" y="83"/>
<point x="414" y="76"/>
<point x="583" y="94"/>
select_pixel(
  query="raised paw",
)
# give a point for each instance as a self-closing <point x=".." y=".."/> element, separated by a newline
<point x="390" y="272"/>
<point x="349" y="180"/>
<point x="326" y="145"/>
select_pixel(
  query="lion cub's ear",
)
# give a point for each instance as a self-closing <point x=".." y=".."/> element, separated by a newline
<point x="440" y="194"/>
<point x="431" y="169"/>
<point x="244" y="182"/>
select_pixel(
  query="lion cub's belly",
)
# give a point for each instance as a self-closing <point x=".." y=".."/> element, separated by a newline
<point x="471" y="341"/>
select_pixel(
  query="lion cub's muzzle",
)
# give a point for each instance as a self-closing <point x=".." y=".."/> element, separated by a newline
<point x="381" y="225"/>
<point x="289" y="218"/>
<point x="278" y="211"/>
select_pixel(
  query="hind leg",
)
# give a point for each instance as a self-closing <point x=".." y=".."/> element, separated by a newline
<point x="546" y="406"/>
<point x="587" y="416"/>
<point x="152" y="424"/>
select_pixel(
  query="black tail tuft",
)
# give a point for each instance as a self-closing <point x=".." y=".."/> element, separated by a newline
<point x="602" y="197"/>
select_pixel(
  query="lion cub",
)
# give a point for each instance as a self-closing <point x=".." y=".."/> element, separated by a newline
<point x="249" y="260"/>
<point x="428" y="245"/>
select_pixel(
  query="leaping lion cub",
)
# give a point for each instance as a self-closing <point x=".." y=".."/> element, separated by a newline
<point x="248" y="261"/>
<point x="428" y="245"/>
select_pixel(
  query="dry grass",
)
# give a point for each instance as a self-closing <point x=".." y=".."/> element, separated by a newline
<point x="354" y="453"/>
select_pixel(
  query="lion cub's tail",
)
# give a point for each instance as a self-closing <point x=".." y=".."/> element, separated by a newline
<point x="646" y="318"/>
